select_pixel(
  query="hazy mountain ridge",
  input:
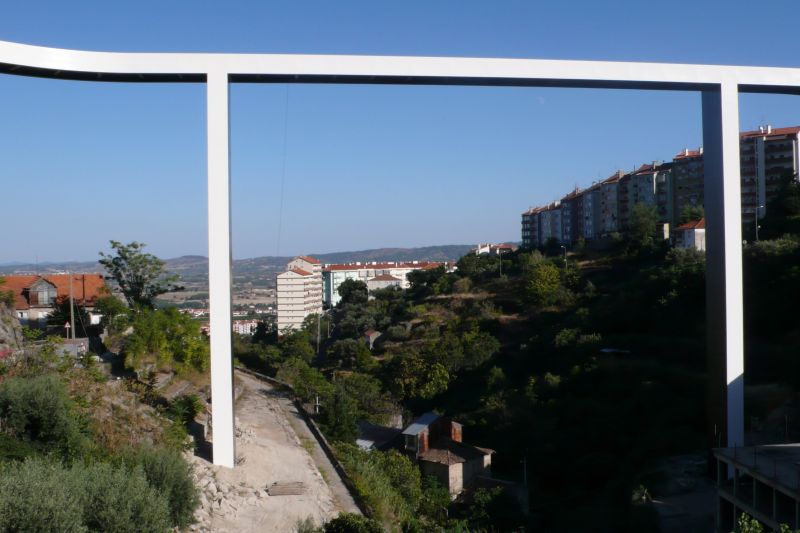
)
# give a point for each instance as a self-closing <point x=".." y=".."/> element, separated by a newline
<point x="195" y="266"/>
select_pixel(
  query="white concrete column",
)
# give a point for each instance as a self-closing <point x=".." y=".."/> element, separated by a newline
<point x="724" y="297"/>
<point x="219" y="268"/>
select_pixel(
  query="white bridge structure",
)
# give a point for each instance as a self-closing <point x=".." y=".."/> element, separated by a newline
<point x="719" y="86"/>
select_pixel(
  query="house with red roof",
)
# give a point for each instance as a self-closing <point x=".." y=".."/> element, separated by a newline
<point x="35" y="296"/>
<point x="691" y="235"/>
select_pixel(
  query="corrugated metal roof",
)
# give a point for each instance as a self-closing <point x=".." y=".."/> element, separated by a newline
<point x="420" y="424"/>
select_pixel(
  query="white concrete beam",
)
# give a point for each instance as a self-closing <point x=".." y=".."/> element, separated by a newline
<point x="219" y="268"/>
<point x="724" y="294"/>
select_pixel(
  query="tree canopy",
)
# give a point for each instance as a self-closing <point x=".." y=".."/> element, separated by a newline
<point x="141" y="276"/>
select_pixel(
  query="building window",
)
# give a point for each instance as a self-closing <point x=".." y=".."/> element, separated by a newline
<point x="411" y="443"/>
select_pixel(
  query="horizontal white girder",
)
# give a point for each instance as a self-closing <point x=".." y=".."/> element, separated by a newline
<point x="60" y="63"/>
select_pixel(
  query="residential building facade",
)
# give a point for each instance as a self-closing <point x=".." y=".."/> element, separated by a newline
<point x="609" y="214"/>
<point x="299" y="292"/>
<point x="687" y="179"/>
<point x="768" y="156"/>
<point x="335" y="275"/>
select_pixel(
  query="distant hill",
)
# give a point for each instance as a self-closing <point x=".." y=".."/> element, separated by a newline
<point x="195" y="267"/>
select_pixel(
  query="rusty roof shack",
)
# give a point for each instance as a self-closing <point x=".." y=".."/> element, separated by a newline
<point x="435" y="442"/>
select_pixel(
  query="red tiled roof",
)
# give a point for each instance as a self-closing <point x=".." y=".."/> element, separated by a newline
<point x="86" y="288"/>
<point x="791" y="130"/>
<point x="309" y="259"/>
<point x="573" y="194"/>
<point x="688" y="153"/>
<point x="385" y="277"/>
<point x="300" y="271"/>
<point x="450" y="452"/>
<point x="614" y="177"/>
<point x="384" y="266"/>
<point x="693" y="224"/>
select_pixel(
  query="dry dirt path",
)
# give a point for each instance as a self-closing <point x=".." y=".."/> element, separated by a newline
<point x="273" y="444"/>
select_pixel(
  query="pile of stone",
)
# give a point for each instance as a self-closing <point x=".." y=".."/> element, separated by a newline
<point x="218" y="498"/>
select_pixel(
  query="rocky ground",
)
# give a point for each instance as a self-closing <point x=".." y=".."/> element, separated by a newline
<point x="268" y="451"/>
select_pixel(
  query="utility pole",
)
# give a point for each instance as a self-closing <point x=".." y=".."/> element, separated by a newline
<point x="71" y="309"/>
<point x="319" y="318"/>
<point x="758" y="209"/>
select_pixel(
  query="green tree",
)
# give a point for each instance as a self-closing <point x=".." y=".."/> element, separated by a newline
<point x="166" y="337"/>
<point x="339" y="416"/>
<point x="783" y="211"/>
<point x="402" y="474"/>
<point x="297" y="343"/>
<point x="411" y="376"/>
<point x="479" y="347"/>
<point x="352" y="292"/>
<point x="141" y="276"/>
<point x="373" y="405"/>
<point x="544" y="283"/>
<point x="307" y="382"/>
<point x="115" y="314"/>
<point x="643" y="223"/>
<point x="351" y="353"/>
<point x="691" y="212"/>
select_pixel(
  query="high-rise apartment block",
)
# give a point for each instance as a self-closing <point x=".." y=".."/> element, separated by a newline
<point x="687" y="181"/>
<point x="769" y="156"/>
<point x="299" y="292"/>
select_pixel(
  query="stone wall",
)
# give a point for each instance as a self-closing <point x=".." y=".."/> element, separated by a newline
<point x="10" y="330"/>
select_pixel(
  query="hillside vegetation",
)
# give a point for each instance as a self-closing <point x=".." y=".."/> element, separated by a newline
<point x="590" y="369"/>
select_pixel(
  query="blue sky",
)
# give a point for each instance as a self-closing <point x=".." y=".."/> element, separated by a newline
<point x="364" y="166"/>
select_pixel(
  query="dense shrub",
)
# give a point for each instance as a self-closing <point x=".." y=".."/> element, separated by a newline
<point x="166" y="338"/>
<point x="117" y="499"/>
<point x="352" y="523"/>
<point x="168" y="473"/>
<point x="39" y="495"/>
<point x="376" y="479"/>
<point x="37" y="409"/>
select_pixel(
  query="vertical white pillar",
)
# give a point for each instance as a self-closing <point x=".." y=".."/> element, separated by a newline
<point x="724" y="297"/>
<point x="219" y="268"/>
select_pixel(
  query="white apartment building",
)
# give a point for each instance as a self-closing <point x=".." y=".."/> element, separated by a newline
<point x="299" y="292"/>
<point x="335" y="275"/>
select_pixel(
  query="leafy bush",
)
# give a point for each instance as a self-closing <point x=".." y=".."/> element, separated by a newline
<point x="544" y="283"/>
<point x="378" y="487"/>
<point x="39" y="495"/>
<point x="184" y="408"/>
<point x="167" y="337"/>
<point x="352" y="523"/>
<point x="339" y="416"/>
<point x="37" y="409"/>
<point x="168" y="473"/>
<point x="118" y="499"/>
<point x="307" y="382"/>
